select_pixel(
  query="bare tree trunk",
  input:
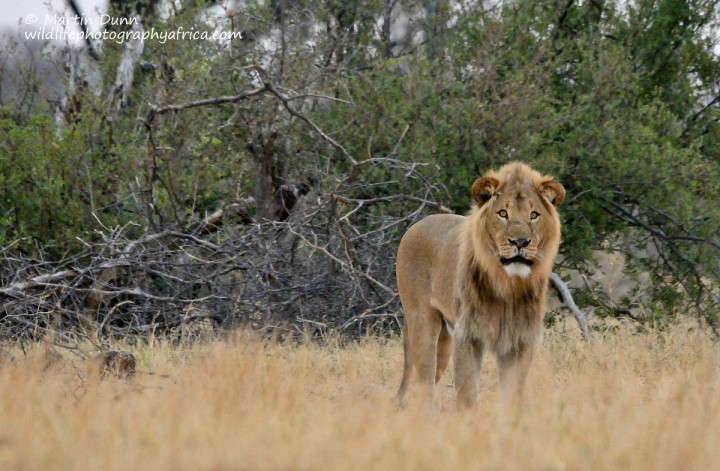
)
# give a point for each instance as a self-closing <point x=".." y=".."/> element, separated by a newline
<point x="386" y="28"/>
<point x="271" y="184"/>
<point x="126" y="68"/>
<point x="436" y="28"/>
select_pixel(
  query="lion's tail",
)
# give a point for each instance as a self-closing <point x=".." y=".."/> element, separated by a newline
<point x="407" y="367"/>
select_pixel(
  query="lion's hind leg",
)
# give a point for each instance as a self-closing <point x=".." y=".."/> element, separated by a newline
<point x="422" y="332"/>
<point x="407" y="367"/>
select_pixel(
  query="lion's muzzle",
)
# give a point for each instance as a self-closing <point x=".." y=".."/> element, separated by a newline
<point x="516" y="251"/>
<point x="516" y="260"/>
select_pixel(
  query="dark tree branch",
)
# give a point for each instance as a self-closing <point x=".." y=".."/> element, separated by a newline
<point x="92" y="51"/>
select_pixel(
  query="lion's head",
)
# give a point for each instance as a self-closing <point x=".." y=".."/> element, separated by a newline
<point x="515" y="225"/>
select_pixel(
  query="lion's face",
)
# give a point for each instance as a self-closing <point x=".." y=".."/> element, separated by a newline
<point x="516" y="224"/>
<point x="519" y="219"/>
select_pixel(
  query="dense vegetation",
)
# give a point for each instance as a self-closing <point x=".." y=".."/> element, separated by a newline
<point x="331" y="126"/>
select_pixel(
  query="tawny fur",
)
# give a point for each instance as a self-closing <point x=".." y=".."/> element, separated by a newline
<point x="461" y="293"/>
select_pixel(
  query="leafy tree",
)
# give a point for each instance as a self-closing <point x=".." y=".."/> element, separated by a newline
<point x="346" y="121"/>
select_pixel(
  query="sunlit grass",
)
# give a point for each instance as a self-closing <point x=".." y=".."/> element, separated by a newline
<point x="643" y="402"/>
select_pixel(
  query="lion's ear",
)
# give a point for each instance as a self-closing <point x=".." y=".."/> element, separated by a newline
<point x="553" y="191"/>
<point x="483" y="189"/>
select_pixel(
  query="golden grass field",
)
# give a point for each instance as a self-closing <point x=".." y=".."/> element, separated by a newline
<point x="620" y="402"/>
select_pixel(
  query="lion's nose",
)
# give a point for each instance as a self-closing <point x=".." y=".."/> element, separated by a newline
<point x="520" y="242"/>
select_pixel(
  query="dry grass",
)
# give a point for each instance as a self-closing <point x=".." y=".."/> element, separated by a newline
<point x="649" y="402"/>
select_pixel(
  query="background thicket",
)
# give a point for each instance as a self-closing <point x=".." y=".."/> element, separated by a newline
<point x="267" y="179"/>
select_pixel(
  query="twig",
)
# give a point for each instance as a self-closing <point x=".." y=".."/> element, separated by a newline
<point x="344" y="264"/>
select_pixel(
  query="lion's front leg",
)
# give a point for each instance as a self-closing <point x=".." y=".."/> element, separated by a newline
<point x="513" y="369"/>
<point x="467" y="359"/>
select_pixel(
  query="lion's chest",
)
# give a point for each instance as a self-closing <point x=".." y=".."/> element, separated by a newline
<point x="502" y="321"/>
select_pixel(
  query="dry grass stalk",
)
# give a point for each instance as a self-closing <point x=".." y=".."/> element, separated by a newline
<point x="618" y="403"/>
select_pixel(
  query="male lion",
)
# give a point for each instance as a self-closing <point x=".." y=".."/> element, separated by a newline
<point x="478" y="283"/>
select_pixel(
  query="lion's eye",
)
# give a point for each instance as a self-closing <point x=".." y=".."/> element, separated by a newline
<point x="534" y="215"/>
<point x="503" y="214"/>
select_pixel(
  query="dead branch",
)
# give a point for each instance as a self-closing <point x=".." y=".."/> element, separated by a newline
<point x="567" y="298"/>
<point x="384" y="199"/>
<point x="344" y="264"/>
<point x="156" y="110"/>
<point x="39" y="281"/>
<point x="667" y="242"/>
<point x="320" y="268"/>
<point x="265" y="77"/>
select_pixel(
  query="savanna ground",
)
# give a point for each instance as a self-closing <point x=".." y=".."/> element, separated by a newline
<point x="637" y="402"/>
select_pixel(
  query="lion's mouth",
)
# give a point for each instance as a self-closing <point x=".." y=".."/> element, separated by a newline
<point x="516" y="259"/>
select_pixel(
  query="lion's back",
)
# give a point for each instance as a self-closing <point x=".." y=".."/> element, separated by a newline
<point x="428" y="249"/>
<point x="423" y="241"/>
